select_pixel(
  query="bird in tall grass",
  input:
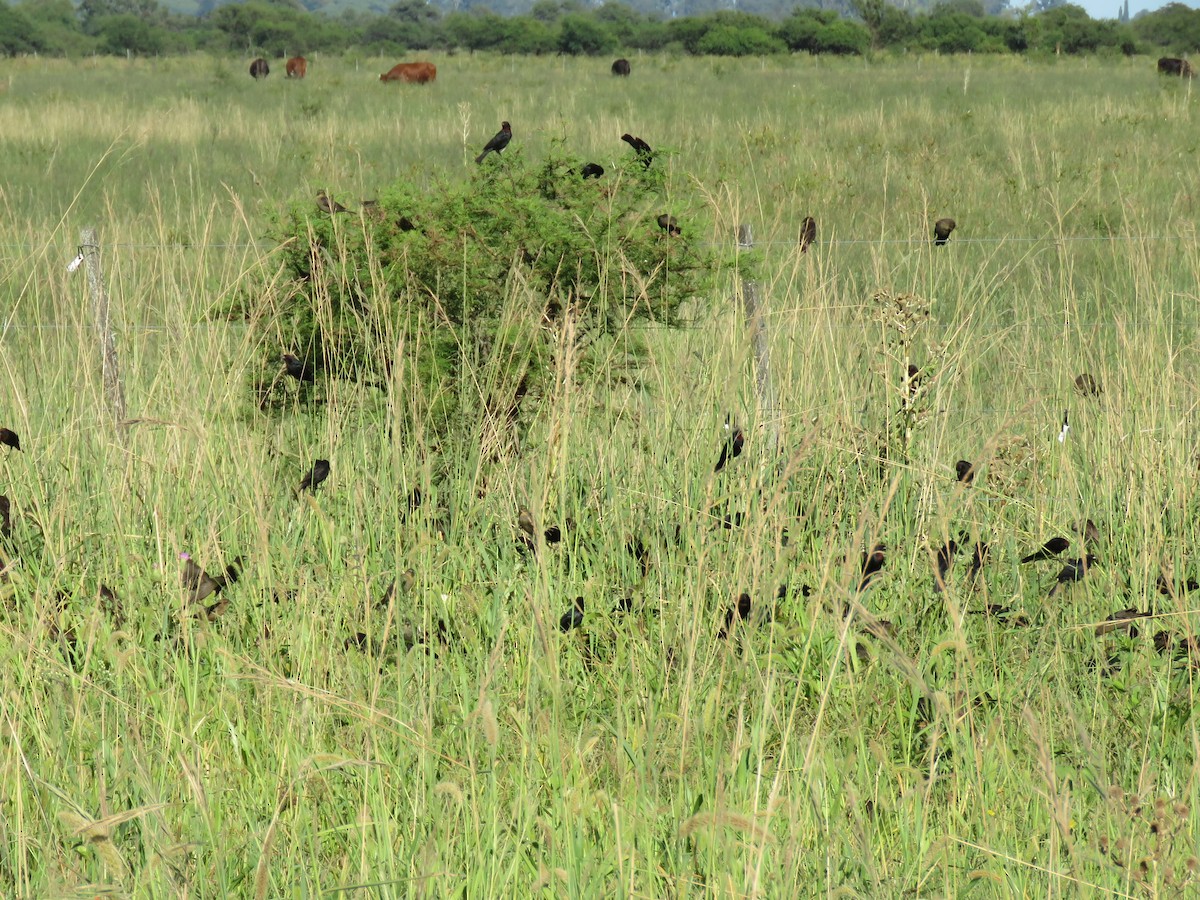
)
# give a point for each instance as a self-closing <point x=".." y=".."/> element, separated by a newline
<point x="941" y="231"/>
<point x="318" y="473"/>
<point x="300" y="369"/>
<point x="735" y="440"/>
<point x="9" y="438"/>
<point x="198" y="585"/>
<point x="965" y="471"/>
<point x="1075" y="570"/>
<point x="591" y="170"/>
<point x="872" y="563"/>
<point x="1048" y="550"/>
<point x="1088" y="386"/>
<point x="573" y="617"/>
<point x="808" y="233"/>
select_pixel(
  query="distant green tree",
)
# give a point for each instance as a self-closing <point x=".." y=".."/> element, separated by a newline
<point x="126" y="33"/>
<point x="739" y="40"/>
<point x="823" y="31"/>
<point x="1175" y="27"/>
<point x="93" y="12"/>
<point x="17" y="34"/>
<point x="582" y="35"/>
<point x="56" y="25"/>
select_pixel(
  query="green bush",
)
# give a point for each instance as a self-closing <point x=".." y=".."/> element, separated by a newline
<point x="476" y="276"/>
<point x="732" y="40"/>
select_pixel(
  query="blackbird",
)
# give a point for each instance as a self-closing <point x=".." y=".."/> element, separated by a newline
<point x="5" y="517"/>
<point x="965" y="471"/>
<point x="1074" y="570"/>
<point x="941" y="231"/>
<point x="591" y="170"/>
<point x="979" y="555"/>
<point x="808" y="233"/>
<point x="1088" y="386"/>
<point x="199" y="585"/>
<point x="741" y="611"/>
<point x="732" y="447"/>
<point x="1122" y="619"/>
<point x="329" y="205"/>
<point x="668" y="224"/>
<point x="573" y="617"/>
<point x="320" y="471"/>
<point x="498" y="142"/>
<point x="1049" y="550"/>
<point x="640" y="147"/>
<point x="9" y="438"/>
<point x="872" y="562"/>
<point x="945" y="558"/>
<point x="299" y="369"/>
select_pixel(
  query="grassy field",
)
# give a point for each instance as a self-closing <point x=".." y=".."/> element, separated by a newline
<point x="297" y="746"/>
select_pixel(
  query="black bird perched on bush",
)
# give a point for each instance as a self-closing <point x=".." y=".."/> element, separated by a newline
<point x="668" y="224"/>
<point x="591" y="170"/>
<point x="497" y="143"/>
<point x="320" y="471"/>
<point x="328" y="205"/>
<point x="808" y="233"/>
<point x="941" y="231"/>
<point x="1050" y="549"/>
<point x="298" y="368"/>
<point x="640" y="147"/>
<point x="733" y="445"/>
<point x="9" y="438"/>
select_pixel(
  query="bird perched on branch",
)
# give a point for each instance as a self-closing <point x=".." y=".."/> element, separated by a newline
<point x="327" y="205"/>
<point x="497" y="143"/>
<point x="640" y="147"/>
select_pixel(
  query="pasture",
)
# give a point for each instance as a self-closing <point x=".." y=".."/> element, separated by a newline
<point x="326" y="735"/>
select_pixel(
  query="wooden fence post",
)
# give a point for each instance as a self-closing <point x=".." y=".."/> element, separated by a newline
<point x="114" y="392"/>
<point x="753" y="305"/>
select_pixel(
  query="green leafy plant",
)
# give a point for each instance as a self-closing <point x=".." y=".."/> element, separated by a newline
<point x="479" y="275"/>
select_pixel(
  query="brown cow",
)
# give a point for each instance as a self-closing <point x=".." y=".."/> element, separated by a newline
<point x="259" y="69"/>
<point x="411" y="73"/>
<point x="297" y="67"/>
<point x="1171" y="66"/>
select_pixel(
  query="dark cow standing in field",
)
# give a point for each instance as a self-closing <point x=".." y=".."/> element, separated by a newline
<point x="1168" y="65"/>
<point x="259" y="69"/>
<point x="411" y="73"/>
<point x="297" y="67"/>
<point x="620" y="67"/>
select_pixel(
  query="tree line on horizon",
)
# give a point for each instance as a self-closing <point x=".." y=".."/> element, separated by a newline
<point x="278" y="28"/>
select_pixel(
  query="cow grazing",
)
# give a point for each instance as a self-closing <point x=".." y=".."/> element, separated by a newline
<point x="259" y="69"/>
<point x="620" y="67"/>
<point x="297" y="67"/>
<point x="1169" y="65"/>
<point x="411" y="73"/>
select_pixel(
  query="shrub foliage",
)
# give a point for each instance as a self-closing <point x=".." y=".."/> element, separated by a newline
<point x="476" y="276"/>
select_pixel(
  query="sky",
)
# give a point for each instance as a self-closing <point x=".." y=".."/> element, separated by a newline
<point x="1107" y="9"/>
